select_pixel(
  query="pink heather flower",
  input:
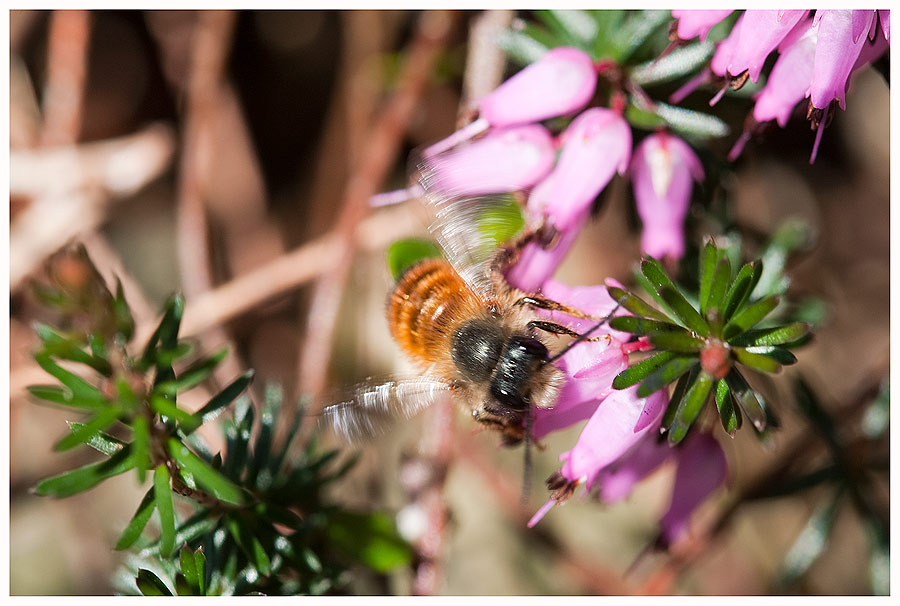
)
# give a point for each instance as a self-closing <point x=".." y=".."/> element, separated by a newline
<point x="595" y="146"/>
<point x="759" y="33"/>
<point x="619" y="479"/>
<point x="561" y="82"/>
<point x="701" y="469"/>
<point x="661" y="172"/>
<point x="693" y="23"/>
<point x="885" y="18"/>
<point x="789" y="81"/>
<point x="504" y="160"/>
<point x="725" y="49"/>
<point x="841" y="36"/>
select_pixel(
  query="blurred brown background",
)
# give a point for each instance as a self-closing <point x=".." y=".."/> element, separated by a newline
<point x="231" y="155"/>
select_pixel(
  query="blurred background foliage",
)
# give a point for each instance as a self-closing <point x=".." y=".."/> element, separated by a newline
<point x="230" y="156"/>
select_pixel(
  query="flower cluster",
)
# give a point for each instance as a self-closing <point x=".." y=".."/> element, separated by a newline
<point x="817" y="55"/>
<point x="564" y="174"/>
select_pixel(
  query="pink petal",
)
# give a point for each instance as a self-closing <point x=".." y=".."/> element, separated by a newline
<point x="562" y="81"/>
<point x="701" y="469"/>
<point x="536" y="264"/>
<point x="611" y="432"/>
<point x="722" y="57"/>
<point x="692" y="23"/>
<point x="618" y="480"/>
<point x="593" y="300"/>
<point x="789" y="80"/>
<point x="885" y="18"/>
<point x="836" y="54"/>
<point x="504" y="160"/>
<point x="590" y="368"/>
<point x="760" y="33"/>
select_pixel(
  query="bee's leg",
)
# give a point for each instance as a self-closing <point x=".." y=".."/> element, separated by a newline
<point x="545" y="235"/>
<point x="506" y="421"/>
<point x="542" y="303"/>
<point x="555" y="329"/>
<point x="558" y="329"/>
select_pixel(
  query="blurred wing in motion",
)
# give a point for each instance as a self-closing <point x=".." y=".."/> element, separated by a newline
<point x="374" y="407"/>
<point x="466" y="224"/>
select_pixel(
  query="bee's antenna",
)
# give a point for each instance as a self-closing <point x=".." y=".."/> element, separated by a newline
<point x="526" y="478"/>
<point x="584" y="336"/>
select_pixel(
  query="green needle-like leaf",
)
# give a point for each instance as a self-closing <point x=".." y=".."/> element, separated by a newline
<point x="690" y="407"/>
<point x="685" y="311"/>
<point x="679" y="62"/>
<point x="194" y="374"/>
<point x="666" y="374"/>
<point x="692" y="124"/>
<point x="67" y="348"/>
<point x="150" y="584"/>
<point x="81" y="479"/>
<point x="637" y="372"/>
<point x="140" y="432"/>
<point x="222" y="399"/>
<point x="746" y="398"/>
<point x="677" y="341"/>
<point x="740" y="289"/>
<point x="101" y="421"/>
<point x="368" y="538"/>
<point x="756" y="361"/>
<point x="522" y="48"/>
<point x="101" y="442"/>
<point x="189" y="567"/>
<point x="200" y="563"/>
<point x="777" y="335"/>
<point x="138" y="521"/>
<point x="162" y="491"/>
<point x="249" y="544"/>
<point x="167" y="408"/>
<point x="681" y="387"/>
<point x="210" y="479"/>
<point x="656" y="274"/>
<point x="779" y="354"/>
<point x="644" y="326"/>
<point x="707" y="270"/>
<point x="749" y="317"/>
<point x="728" y="413"/>
<point x="811" y="542"/>
<point x="717" y="288"/>
<point x="629" y="36"/>
<point x="635" y="304"/>
<point x="84" y="395"/>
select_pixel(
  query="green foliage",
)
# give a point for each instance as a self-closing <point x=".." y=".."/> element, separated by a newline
<point x="701" y="340"/>
<point x="250" y="520"/>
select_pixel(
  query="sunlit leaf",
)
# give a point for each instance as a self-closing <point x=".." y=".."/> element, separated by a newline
<point x="162" y="491"/>
<point x="101" y="421"/>
<point x="642" y="326"/>
<point x="665" y="374"/>
<point x="679" y="62"/>
<point x="78" y="480"/>
<point x="635" y="304"/>
<point x="150" y="584"/>
<point x="729" y="415"/>
<point x="690" y="407"/>
<point x="210" y="479"/>
<point x="749" y="317"/>
<point x="746" y="398"/>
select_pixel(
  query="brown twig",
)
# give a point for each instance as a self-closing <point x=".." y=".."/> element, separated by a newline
<point x="66" y="70"/>
<point x="383" y="145"/>
<point x="212" y="33"/>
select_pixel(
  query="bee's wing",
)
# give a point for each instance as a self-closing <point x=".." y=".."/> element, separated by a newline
<point x="459" y="225"/>
<point x="373" y="407"/>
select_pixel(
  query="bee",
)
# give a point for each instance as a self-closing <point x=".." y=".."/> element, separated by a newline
<point x="476" y="338"/>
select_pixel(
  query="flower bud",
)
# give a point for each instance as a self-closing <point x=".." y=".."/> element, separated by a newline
<point x="562" y="81"/>
<point x="503" y="161"/>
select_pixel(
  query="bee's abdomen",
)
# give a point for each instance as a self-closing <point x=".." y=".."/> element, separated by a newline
<point x="428" y="301"/>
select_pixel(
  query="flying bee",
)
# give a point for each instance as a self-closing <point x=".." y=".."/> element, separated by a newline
<point x="476" y="338"/>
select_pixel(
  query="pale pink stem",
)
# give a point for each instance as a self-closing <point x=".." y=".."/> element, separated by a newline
<point x="396" y="197"/>
<point x="464" y="134"/>
<point x="689" y="87"/>
<point x="541" y="513"/>
<point x="815" y="149"/>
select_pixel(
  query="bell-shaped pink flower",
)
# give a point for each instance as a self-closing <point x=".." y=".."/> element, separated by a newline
<point x="595" y="146"/>
<point x="504" y="160"/>
<point x="661" y="172"/>
<point x="841" y="36"/>
<point x="562" y="81"/>
<point x="789" y="80"/>
<point x="884" y="17"/>
<point x="759" y="34"/>
<point x="702" y="468"/>
<point x="694" y="22"/>
<point x="618" y="424"/>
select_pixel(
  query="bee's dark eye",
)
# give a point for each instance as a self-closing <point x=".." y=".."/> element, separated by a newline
<point x="476" y="348"/>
